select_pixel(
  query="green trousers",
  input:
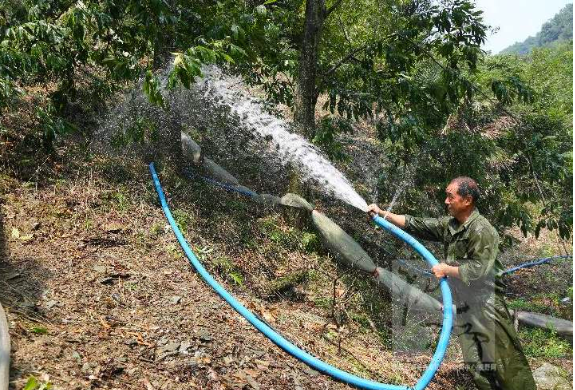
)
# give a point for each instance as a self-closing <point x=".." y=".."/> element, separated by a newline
<point x="491" y="348"/>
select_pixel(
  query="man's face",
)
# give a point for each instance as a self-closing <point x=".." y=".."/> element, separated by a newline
<point x="455" y="203"/>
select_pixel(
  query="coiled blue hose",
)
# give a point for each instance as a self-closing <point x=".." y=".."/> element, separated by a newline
<point x="299" y="353"/>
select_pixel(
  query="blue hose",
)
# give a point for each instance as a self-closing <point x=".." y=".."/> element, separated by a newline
<point x="530" y="264"/>
<point x="445" y="293"/>
<point x="292" y="349"/>
<point x="534" y="263"/>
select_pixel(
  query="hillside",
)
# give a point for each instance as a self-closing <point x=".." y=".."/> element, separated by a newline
<point x="556" y="30"/>
<point x="271" y="131"/>
<point x="99" y="294"/>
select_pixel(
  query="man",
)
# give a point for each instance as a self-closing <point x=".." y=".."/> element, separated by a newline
<point x="484" y="328"/>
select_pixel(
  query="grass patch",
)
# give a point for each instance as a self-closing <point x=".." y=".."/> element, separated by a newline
<point x="541" y="343"/>
<point x="528" y="305"/>
<point x="227" y="269"/>
<point x="183" y="219"/>
<point x="35" y="384"/>
<point x="287" y="237"/>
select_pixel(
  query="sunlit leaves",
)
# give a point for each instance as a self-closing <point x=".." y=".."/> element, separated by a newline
<point x="152" y="89"/>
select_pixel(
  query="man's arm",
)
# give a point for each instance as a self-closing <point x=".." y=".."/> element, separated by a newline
<point x="429" y="229"/>
<point x="397" y="220"/>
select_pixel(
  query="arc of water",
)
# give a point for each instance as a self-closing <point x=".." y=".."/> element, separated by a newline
<point x="229" y="91"/>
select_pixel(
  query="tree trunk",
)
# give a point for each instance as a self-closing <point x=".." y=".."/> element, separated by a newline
<point x="306" y="92"/>
<point x="294" y="216"/>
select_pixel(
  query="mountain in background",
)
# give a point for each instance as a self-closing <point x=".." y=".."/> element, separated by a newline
<point x="558" y="29"/>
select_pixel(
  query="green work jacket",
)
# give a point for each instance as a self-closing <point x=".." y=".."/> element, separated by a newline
<point x="471" y="246"/>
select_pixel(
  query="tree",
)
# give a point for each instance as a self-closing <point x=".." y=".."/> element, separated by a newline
<point x="87" y="50"/>
<point x="306" y="92"/>
<point x="361" y="54"/>
<point x="519" y="147"/>
<point x="557" y="30"/>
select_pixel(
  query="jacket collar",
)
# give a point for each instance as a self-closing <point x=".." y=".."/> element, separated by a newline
<point x="456" y="227"/>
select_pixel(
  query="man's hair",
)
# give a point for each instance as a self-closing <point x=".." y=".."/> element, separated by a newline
<point x="466" y="186"/>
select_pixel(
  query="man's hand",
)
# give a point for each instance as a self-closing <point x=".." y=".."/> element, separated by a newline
<point x="397" y="220"/>
<point x="441" y="270"/>
<point x="374" y="209"/>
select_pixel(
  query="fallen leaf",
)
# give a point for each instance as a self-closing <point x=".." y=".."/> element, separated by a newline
<point x="262" y="365"/>
<point x="268" y="316"/>
<point x="15" y="233"/>
<point x="252" y="373"/>
<point x="148" y="384"/>
<point x="113" y="227"/>
<point x="104" y="324"/>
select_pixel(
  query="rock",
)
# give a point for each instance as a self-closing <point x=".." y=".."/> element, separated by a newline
<point x="101" y="269"/>
<point x="86" y="368"/>
<point x="550" y="377"/>
<point x="205" y="336"/>
<point x="76" y="356"/>
<point x="175" y="300"/>
<point x="132" y="341"/>
<point x="171" y="347"/>
<point x="310" y="371"/>
<point x="51" y="304"/>
<point x="184" y="346"/>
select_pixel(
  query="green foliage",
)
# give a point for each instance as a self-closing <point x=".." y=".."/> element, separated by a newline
<point x="540" y="343"/>
<point x="183" y="219"/>
<point x="33" y="384"/>
<point x="528" y="305"/>
<point x="383" y="76"/>
<point x="310" y="242"/>
<point x="142" y="131"/>
<point x="92" y="48"/>
<point x="325" y="136"/>
<point x="39" y="330"/>
<point x="557" y="30"/>
<point x="523" y="162"/>
<point x="282" y="236"/>
<point x="229" y="270"/>
<point x="52" y="125"/>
